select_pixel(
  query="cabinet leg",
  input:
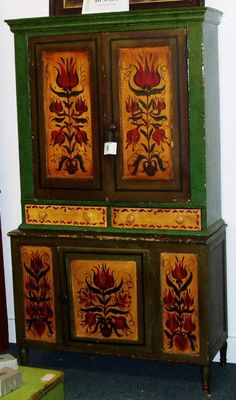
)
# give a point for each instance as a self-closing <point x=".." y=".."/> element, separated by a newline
<point x="206" y="379"/>
<point x="23" y="355"/>
<point x="223" y="352"/>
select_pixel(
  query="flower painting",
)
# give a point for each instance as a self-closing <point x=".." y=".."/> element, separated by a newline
<point x="104" y="294"/>
<point x="38" y="293"/>
<point x="67" y="114"/>
<point x="146" y="113"/>
<point x="180" y="303"/>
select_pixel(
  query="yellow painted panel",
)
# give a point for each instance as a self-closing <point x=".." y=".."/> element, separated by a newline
<point x="38" y="287"/>
<point x="65" y="215"/>
<point x="104" y="296"/>
<point x="156" y="218"/>
<point x="180" y="310"/>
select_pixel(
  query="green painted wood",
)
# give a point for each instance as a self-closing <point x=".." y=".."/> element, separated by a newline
<point x="34" y="389"/>
<point x="201" y="26"/>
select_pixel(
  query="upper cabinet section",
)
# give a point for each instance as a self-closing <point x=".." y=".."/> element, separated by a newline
<point x="87" y="91"/>
<point x="120" y="109"/>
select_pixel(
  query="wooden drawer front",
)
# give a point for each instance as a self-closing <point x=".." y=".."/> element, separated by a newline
<point x="156" y="218"/>
<point x="66" y="215"/>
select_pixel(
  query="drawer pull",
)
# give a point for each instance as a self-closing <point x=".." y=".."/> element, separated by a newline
<point x="130" y="218"/>
<point x="42" y="215"/>
<point x="179" y="220"/>
<point x="87" y="216"/>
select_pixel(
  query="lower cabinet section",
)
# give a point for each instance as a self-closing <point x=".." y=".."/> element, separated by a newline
<point x="157" y="297"/>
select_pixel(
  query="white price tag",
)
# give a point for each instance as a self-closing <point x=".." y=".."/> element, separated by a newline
<point x="102" y="6"/>
<point x="110" y="148"/>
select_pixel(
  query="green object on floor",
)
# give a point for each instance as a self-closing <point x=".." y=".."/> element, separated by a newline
<point x="51" y="387"/>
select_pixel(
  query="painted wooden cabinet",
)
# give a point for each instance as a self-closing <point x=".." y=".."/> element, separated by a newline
<point x="119" y="141"/>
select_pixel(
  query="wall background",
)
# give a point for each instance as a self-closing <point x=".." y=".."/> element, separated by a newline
<point x="9" y="162"/>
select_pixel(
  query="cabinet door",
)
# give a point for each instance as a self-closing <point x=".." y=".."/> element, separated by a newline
<point x="148" y="73"/>
<point x="65" y="113"/>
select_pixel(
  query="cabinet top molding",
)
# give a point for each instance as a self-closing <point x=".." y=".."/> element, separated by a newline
<point x="110" y="21"/>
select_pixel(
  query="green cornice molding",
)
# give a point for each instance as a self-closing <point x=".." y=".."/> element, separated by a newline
<point x="103" y="22"/>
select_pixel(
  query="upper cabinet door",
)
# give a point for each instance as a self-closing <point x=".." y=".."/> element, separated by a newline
<point x="148" y="72"/>
<point x="66" y="108"/>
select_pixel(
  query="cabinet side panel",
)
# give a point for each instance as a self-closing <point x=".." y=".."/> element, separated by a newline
<point x="212" y="124"/>
<point x="217" y="304"/>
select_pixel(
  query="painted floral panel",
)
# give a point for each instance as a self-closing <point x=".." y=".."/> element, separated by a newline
<point x="180" y="312"/>
<point x="67" y="114"/>
<point x="104" y="296"/>
<point x="146" y="112"/>
<point x="38" y="286"/>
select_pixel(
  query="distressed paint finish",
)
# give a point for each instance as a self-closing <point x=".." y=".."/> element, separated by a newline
<point x="104" y="298"/>
<point x="38" y="288"/>
<point x="180" y="310"/>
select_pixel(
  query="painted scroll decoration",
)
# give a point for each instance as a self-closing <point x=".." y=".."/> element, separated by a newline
<point x="104" y="296"/>
<point x="146" y="113"/>
<point x="67" y="114"/>
<point x="39" y="307"/>
<point x="180" y="318"/>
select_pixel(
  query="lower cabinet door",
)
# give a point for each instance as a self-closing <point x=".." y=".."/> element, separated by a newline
<point x="106" y="309"/>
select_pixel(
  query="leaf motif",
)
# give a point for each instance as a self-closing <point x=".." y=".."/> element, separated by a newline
<point x="160" y="162"/>
<point x="92" y="309"/>
<point x="137" y="91"/>
<point x="159" y="117"/>
<point x="59" y="94"/>
<point x="75" y="93"/>
<point x="81" y="162"/>
<point x="80" y="120"/>
<point x="187" y="283"/>
<point x="157" y="91"/>
<point x="172" y="285"/>
<point x="145" y="147"/>
<point x="62" y="160"/>
<point x="137" y="162"/>
<point x="42" y="273"/>
<point x="30" y="272"/>
<point x="115" y="289"/>
<point x="92" y="288"/>
<point x="59" y="120"/>
<point x="68" y="149"/>
<point x="116" y="311"/>
<point x="169" y="336"/>
<point x="144" y="105"/>
<point x="152" y="147"/>
<point x="144" y="133"/>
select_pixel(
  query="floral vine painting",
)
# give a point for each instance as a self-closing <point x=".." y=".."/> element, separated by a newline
<point x="180" y="303"/>
<point x="67" y="114"/>
<point x="146" y="113"/>
<point x="38" y="293"/>
<point x="104" y="295"/>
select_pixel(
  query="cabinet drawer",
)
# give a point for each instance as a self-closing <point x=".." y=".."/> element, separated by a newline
<point x="66" y="215"/>
<point x="157" y="218"/>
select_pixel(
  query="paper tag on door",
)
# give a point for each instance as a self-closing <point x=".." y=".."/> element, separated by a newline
<point x="102" y="6"/>
<point x="110" y="148"/>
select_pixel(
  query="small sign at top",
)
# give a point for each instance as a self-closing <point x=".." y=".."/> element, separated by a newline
<point x="103" y="6"/>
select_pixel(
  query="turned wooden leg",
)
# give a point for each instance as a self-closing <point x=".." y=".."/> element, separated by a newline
<point x="206" y="378"/>
<point x="223" y="352"/>
<point x="23" y="355"/>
